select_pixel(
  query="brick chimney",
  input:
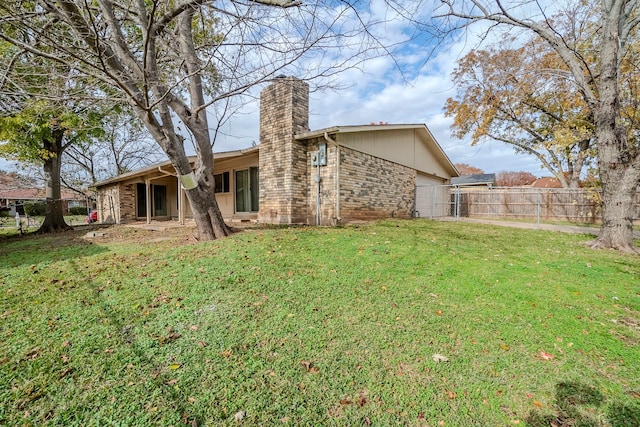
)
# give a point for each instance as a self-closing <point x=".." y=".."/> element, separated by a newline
<point x="284" y="112"/>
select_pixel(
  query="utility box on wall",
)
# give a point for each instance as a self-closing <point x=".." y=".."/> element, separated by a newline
<point x="319" y="158"/>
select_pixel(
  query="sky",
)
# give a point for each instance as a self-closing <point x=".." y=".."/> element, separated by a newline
<point x="378" y="91"/>
<point x="410" y="87"/>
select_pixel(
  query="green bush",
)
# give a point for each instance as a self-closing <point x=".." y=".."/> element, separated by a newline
<point x="4" y="214"/>
<point x="78" y="210"/>
<point x="35" y="208"/>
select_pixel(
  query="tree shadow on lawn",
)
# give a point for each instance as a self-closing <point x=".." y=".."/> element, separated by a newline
<point x="32" y="249"/>
<point x="580" y="405"/>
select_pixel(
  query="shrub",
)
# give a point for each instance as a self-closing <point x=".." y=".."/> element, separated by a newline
<point x="78" y="210"/>
<point x="35" y="208"/>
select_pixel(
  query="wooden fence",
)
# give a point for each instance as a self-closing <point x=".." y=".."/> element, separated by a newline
<point x="546" y="204"/>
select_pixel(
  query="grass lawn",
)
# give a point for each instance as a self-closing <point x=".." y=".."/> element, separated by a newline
<point x="413" y="323"/>
<point x="30" y="224"/>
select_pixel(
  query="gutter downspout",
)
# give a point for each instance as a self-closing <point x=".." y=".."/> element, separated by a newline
<point x="333" y="141"/>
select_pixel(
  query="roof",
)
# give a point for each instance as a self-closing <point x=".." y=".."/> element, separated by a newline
<point x="547" y="182"/>
<point x="157" y="166"/>
<point x="421" y="128"/>
<point x="34" y="194"/>
<point x="487" y="179"/>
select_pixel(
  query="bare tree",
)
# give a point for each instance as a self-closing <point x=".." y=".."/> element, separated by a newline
<point x="609" y="34"/>
<point x="124" y="146"/>
<point x="172" y="60"/>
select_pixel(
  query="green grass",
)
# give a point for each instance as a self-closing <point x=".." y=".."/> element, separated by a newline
<point x="31" y="224"/>
<point x="320" y="326"/>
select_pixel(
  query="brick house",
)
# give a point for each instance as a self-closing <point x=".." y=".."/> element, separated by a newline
<point x="295" y="176"/>
<point x="13" y="199"/>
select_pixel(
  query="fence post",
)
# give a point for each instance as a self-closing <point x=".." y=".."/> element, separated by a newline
<point x="432" y="196"/>
<point x="539" y="207"/>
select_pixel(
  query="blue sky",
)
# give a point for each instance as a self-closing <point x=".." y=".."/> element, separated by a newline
<point x="377" y="91"/>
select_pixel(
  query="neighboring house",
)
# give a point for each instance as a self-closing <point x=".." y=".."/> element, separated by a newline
<point x="547" y="182"/>
<point x="14" y="198"/>
<point x="478" y="180"/>
<point x="295" y="176"/>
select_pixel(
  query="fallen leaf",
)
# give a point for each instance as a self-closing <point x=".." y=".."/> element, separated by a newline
<point x="202" y="344"/>
<point x="226" y="353"/>
<point x="439" y="312"/>
<point x="175" y="366"/>
<point x="239" y="415"/>
<point x="172" y="382"/>
<point x="66" y="372"/>
<point x="538" y="404"/>
<point x="451" y="394"/>
<point x="504" y="347"/>
<point x="194" y="327"/>
<point x="440" y="358"/>
<point x="362" y="401"/>
<point x="546" y="356"/>
<point x="345" y="402"/>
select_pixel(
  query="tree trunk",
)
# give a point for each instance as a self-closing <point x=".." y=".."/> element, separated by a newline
<point x="619" y="186"/>
<point x="206" y="213"/>
<point x="54" y="216"/>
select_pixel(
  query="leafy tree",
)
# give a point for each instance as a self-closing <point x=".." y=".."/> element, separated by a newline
<point x="44" y="109"/>
<point x="466" y="169"/>
<point x="170" y="60"/>
<point x="39" y="134"/>
<point x="517" y="96"/>
<point x="595" y="42"/>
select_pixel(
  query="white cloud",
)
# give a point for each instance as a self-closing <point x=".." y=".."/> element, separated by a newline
<point x="377" y="91"/>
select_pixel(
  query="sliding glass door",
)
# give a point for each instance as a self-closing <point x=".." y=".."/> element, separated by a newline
<point x="247" y="190"/>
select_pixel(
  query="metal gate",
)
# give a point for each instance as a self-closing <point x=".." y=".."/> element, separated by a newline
<point x="435" y="201"/>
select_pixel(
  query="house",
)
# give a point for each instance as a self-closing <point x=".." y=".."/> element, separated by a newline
<point x="477" y="180"/>
<point x="295" y="176"/>
<point x="546" y="182"/>
<point x="13" y="199"/>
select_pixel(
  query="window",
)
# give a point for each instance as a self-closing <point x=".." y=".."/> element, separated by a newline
<point x="247" y="190"/>
<point x="222" y="182"/>
<point x="158" y="200"/>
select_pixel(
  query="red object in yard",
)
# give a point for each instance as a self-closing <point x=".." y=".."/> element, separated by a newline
<point x="92" y="217"/>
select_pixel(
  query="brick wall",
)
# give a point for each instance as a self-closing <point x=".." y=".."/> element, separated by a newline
<point x="326" y="186"/>
<point x="128" y="202"/>
<point x="116" y="203"/>
<point x="107" y="204"/>
<point x="284" y="112"/>
<point x="372" y="188"/>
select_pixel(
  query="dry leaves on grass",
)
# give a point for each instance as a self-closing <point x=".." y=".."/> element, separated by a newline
<point x="309" y="367"/>
<point x="439" y="358"/>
